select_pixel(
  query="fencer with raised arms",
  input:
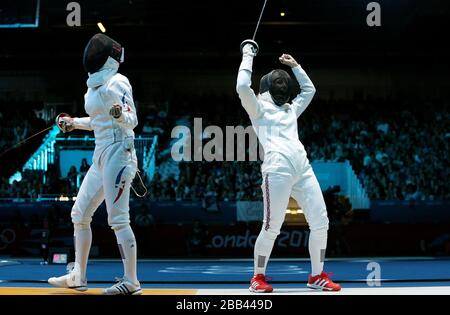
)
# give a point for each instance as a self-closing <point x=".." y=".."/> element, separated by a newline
<point x="286" y="170"/>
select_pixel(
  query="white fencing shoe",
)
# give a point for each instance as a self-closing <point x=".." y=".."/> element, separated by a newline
<point x="72" y="280"/>
<point x="123" y="287"/>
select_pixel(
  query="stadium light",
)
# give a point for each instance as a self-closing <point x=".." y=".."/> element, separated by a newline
<point x="101" y="27"/>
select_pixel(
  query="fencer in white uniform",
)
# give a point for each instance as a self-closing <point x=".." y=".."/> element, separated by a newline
<point x="286" y="170"/>
<point x="112" y="117"/>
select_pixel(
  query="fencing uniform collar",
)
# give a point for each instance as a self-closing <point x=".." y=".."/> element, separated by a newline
<point x="105" y="73"/>
<point x="266" y="97"/>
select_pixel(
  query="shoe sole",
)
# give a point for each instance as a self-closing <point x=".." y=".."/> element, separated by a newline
<point x="137" y="292"/>
<point x="259" y="291"/>
<point x="80" y="288"/>
<point x="317" y="287"/>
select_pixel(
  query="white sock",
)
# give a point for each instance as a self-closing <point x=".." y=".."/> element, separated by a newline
<point x="317" y="247"/>
<point x="263" y="249"/>
<point x="127" y="247"/>
<point x="82" y="241"/>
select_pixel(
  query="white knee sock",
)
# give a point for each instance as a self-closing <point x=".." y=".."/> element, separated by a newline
<point x="127" y="247"/>
<point x="82" y="241"/>
<point x="263" y="249"/>
<point x="317" y="248"/>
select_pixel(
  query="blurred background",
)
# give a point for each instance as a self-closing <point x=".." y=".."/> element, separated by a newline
<point x="377" y="132"/>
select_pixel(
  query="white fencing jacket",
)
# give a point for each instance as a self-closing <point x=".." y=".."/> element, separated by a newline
<point x="106" y="87"/>
<point x="275" y="126"/>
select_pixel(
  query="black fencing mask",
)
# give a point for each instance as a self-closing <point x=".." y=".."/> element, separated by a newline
<point x="279" y="84"/>
<point x="97" y="51"/>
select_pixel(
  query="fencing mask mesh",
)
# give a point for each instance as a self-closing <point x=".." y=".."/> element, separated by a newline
<point x="97" y="51"/>
<point x="279" y="84"/>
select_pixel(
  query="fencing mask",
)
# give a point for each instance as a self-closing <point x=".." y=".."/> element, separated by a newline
<point x="97" y="51"/>
<point x="279" y="84"/>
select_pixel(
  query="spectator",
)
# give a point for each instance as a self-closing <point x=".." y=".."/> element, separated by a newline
<point x="72" y="180"/>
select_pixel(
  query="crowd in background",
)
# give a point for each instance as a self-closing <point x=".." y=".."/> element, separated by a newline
<point x="398" y="150"/>
<point x="18" y="120"/>
<point x="222" y="180"/>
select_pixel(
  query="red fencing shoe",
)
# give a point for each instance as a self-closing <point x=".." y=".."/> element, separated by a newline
<point x="322" y="282"/>
<point x="258" y="284"/>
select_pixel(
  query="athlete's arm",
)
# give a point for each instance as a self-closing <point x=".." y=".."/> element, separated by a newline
<point x="119" y="98"/>
<point x="302" y="100"/>
<point x="83" y="123"/>
<point x="245" y="92"/>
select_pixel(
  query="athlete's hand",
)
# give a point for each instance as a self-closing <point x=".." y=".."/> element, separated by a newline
<point x="288" y="60"/>
<point x="65" y="122"/>
<point x="249" y="48"/>
<point x="116" y="111"/>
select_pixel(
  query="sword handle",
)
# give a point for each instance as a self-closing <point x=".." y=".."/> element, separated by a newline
<point x="251" y="42"/>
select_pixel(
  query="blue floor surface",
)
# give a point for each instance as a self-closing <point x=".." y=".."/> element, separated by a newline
<point x="232" y="274"/>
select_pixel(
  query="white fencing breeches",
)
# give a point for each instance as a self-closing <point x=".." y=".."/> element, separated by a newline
<point x="280" y="181"/>
<point x="109" y="178"/>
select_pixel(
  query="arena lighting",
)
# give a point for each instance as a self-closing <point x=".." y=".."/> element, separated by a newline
<point x="63" y="198"/>
<point x="294" y="211"/>
<point x="101" y="27"/>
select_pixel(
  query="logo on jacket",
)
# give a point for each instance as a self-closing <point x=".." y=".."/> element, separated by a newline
<point x="124" y="102"/>
<point x="120" y="184"/>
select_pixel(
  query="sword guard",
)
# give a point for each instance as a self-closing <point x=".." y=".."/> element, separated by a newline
<point x="61" y="123"/>
<point x="251" y="42"/>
